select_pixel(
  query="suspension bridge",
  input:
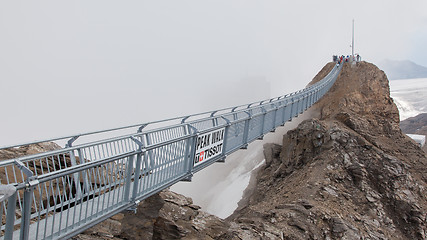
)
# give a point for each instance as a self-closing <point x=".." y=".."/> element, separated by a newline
<point x="60" y="193"/>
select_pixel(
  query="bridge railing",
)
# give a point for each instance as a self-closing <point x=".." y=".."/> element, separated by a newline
<point x="60" y="193"/>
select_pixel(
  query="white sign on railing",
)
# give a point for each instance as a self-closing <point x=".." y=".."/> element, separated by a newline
<point x="209" y="145"/>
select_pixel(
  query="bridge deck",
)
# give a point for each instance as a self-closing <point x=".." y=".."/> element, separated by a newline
<point x="63" y="192"/>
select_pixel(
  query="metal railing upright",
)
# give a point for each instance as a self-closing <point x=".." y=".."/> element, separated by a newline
<point x="59" y="193"/>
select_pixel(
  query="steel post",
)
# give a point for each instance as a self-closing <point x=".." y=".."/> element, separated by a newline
<point x="187" y="156"/>
<point x="136" y="176"/>
<point x="246" y="131"/>
<point x="264" y="113"/>
<point x="85" y="178"/>
<point x="26" y="213"/>
<point x="128" y="180"/>
<point x="227" y="129"/>
<point x="192" y="149"/>
<point x="274" y="117"/>
<point x="10" y="216"/>
<point x="76" y="176"/>
<point x="293" y="107"/>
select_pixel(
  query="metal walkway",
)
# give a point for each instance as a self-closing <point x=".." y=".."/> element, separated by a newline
<point x="60" y="193"/>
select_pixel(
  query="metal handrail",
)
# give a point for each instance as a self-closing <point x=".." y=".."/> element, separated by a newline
<point x="133" y="125"/>
<point x="154" y="122"/>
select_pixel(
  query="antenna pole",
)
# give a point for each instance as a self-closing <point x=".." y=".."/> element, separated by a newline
<point x="352" y="41"/>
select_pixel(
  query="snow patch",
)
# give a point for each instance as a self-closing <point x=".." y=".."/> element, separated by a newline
<point x="406" y="109"/>
<point x="231" y="192"/>
<point x="410" y="96"/>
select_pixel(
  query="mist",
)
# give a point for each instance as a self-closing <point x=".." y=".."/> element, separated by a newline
<point x="72" y="67"/>
<point x="219" y="188"/>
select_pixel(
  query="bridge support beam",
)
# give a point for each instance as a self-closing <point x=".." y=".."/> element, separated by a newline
<point x="188" y="178"/>
<point x="244" y="146"/>
<point x="221" y="160"/>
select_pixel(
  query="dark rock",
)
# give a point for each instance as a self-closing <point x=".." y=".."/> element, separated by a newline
<point x="305" y="203"/>
<point x="338" y="226"/>
<point x="271" y="153"/>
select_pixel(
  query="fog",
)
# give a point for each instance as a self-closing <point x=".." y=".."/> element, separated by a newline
<point x="77" y="66"/>
<point x="219" y="188"/>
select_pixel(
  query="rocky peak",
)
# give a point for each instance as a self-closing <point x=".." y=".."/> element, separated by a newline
<point x="10" y="153"/>
<point x="361" y="90"/>
<point x="330" y="182"/>
<point x="350" y="174"/>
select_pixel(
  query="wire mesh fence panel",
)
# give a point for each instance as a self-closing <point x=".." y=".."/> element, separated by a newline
<point x="279" y="114"/>
<point x="57" y="208"/>
<point x="162" y="164"/>
<point x="167" y="134"/>
<point x="255" y="127"/>
<point x="235" y="136"/>
<point x="269" y="121"/>
<point x="202" y="125"/>
<point x="103" y="150"/>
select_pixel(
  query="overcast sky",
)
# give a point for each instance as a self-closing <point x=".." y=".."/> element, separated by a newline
<point x="74" y="66"/>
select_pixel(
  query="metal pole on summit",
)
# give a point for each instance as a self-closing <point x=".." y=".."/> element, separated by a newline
<point x="352" y="40"/>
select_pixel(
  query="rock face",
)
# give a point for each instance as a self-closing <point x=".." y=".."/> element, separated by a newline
<point x="10" y="153"/>
<point x="415" y="125"/>
<point x="350" y="174"/>
<point x="166" y="215"/>
<point x="172" y="216"/>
